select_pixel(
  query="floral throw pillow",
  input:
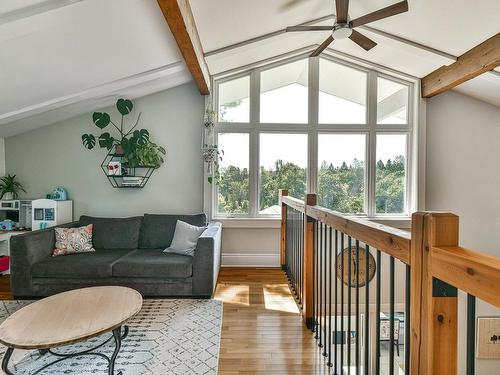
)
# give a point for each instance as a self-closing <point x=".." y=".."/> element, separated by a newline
<point x="73" y="240"/>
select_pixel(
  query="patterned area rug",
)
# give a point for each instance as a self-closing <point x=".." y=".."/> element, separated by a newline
<point x="167" y="337"/>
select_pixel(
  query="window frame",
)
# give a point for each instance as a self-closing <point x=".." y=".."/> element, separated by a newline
<point x="313" y="129"/>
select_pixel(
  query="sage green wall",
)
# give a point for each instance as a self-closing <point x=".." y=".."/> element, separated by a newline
<point x="54" y="155"/>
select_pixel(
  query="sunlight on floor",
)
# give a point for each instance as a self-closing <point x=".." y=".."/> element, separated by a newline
<point x="230" y="293"/>
<point x="277" y="297"/>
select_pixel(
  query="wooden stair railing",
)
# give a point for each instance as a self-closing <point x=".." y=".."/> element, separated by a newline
<point x="436" y="268"/>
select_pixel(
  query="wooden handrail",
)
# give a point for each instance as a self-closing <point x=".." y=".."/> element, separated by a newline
<point x="439" y="267"/>
<point x="471" y="271"/>
<point x="394" y="242"/>
<point x="295" y="203"/>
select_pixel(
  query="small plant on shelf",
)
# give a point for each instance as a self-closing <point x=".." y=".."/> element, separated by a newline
<point x="148" y="155"/>
<point x="10" y="186"/>
<point x="133" y="145"/>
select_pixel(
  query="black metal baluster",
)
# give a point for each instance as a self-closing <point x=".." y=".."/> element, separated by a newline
<point x="320" y="344"/>
<point x="301" y="257"/>
<point x="294" y="251"/>
<point x="407" y="320"/>
<point x="316" y="274"/>
<point x="335" y="341"/>
<point x="290" y="264"/>
<point x="325" y="257"/>
<point x="294" y="257"/>
<point x="287" y="243"/>
<point x="349" y="278"/>
<point x="329" y="363"/>
<point x="358" y="336"/>
<point x="367" y="311"/>
<point x="342" y="333"/>
<point x="471" y="333"/>
<point x="391" y="316"/>
<point x="377" y="313"/>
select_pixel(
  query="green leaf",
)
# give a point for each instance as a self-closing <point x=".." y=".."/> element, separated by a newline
<point x="101" y="119"/>
<point x="124" y="106"/>
<point x="141" y="137"/>
<point x="210" y="179"/>
<point x="106" y="141"/>
<point x="88" y="141"/>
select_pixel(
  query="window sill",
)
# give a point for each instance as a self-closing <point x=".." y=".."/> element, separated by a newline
<point x="238" y="222"/>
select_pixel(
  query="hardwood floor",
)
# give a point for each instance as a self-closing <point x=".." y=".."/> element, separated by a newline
<point x="262" y="331"/>
<point x="5" y="287"/>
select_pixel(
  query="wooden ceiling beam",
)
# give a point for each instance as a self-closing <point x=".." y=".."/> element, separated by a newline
<point x="180" y="19"/>
<point x="480" y="59"/>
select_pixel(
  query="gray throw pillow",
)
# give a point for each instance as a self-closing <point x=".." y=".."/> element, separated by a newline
<point x="185" y="239"/>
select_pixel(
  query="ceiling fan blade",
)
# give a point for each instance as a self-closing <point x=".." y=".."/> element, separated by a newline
<point x="389" y="11"/>
<point x="290" y="4"/>
<point x="322" y="47"/>
<point x="342" y="9"/>
<point x="309" y="28"/>
<point x="361" y="40"/>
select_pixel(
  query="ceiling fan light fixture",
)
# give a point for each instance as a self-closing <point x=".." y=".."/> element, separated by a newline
<point x="341" y="31"/>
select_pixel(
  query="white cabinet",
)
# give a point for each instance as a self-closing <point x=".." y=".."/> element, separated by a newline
<point x="48" y="213"/>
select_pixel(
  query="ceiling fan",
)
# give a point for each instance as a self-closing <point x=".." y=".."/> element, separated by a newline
<point x="344" y="28"/>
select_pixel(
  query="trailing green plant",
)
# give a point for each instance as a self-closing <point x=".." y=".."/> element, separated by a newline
<point x="9" y="184"/>
<point x="134" y="143"/>
<point x="212" y="156"/>
<point x="147" y="155"/>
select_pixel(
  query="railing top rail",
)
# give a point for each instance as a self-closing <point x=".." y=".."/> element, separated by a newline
<point x="295" y="203"/>
<point x="389" y="240"/>
<point x="471" y="271"/>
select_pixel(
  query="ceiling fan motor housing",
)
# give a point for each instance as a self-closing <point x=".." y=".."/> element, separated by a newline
<point x="341" y="31"/>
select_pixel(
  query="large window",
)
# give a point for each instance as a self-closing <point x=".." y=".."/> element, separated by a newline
<point x="280" y="168"/>
<point x="233" y="194"/>
<point x="341" y="172"/>
<point x="314" y="125"/>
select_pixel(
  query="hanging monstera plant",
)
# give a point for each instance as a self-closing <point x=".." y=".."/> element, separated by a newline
<point x="133" y="144"/>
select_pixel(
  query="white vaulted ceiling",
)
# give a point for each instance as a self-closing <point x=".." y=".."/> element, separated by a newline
<point x="443" y="25"/>
<point x="63" y="58"/>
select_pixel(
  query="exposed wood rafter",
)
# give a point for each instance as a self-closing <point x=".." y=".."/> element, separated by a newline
<point x="480" y="59"/>
<point x="180" y="19"/>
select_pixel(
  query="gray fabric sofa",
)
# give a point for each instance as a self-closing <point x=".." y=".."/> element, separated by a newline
<point x="129" y="252"/>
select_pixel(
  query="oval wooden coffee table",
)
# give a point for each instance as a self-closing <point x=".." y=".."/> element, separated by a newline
<point x="68" y="318"/>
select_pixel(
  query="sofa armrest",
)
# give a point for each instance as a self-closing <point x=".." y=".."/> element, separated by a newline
<point x="207" y="260"/>
<point x="27" y="249"/>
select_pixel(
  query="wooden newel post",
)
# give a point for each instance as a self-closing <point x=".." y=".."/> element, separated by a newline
<point x="308" y="264"/>
<point x="434" y="305"/>
<point x="283" y="193"/>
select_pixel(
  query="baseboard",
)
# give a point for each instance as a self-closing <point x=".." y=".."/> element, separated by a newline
<point x="250" y="260"/>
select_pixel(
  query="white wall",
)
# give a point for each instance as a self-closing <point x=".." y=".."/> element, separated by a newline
<point x="463" y="176"/>
<point x="54" y="155"/>
<point x="2" y="156"/>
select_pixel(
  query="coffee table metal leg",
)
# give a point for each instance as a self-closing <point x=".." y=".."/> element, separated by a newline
<point x="117" y="334"/>
<point x="5" y="361"/>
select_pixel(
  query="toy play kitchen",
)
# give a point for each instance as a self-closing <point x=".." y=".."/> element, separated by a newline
<point x="49" y="213"/>
<point x="20" y="215"/>
<point x="15" y="218"/>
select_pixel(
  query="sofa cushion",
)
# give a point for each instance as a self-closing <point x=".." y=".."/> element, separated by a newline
<point x="96" y="264"/>
<point x="114" y="233"/>
<point x="157" y="231"/>
<point x="153" y="263"/>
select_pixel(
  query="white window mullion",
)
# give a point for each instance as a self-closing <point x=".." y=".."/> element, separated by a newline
<point x="371" y="156"/>
<point x="313" y="98"/>
<point x="254" y="142"/>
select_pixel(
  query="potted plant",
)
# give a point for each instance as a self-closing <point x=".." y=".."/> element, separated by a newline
<point x="10" y="187"/>
<point x="147" y="155"/>
<point x="134" y="145"/>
